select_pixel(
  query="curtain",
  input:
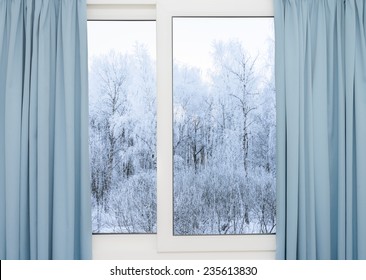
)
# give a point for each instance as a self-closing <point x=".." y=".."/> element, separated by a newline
<point x="44" y="176"/>
<point x="321" y="128"/>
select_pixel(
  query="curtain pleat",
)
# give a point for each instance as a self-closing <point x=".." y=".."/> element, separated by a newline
<point x="321" y="113"/>
<point x="44" y="175"/>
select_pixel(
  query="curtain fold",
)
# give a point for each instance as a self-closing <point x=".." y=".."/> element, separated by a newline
<point x="321" y="131"/>
<point x="44" y="165"/>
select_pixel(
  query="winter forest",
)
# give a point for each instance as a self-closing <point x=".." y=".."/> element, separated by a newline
<point x="122" y="126"/>
<point x="224" y="127"/>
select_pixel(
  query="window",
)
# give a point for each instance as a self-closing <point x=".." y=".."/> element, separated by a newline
<point x="224" y="126"/>
<point x="122" y="126"/>
<point x="114" y="246"/>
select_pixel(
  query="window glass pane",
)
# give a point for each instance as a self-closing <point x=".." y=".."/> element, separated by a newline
<point x="224" y="122"/>
<point x="122" y="125"/>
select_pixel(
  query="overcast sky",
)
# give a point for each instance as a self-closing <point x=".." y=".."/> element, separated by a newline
<point x="121" y="36"/>
<point x="192" y="37"/>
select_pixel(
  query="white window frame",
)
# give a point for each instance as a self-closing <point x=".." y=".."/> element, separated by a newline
<point x="164" y="241"/>
<point x="121" y="9"/>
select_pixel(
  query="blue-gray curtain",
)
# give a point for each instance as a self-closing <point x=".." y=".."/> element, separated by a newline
<point x="321" y="111"/>
<point x="44" y="176"/>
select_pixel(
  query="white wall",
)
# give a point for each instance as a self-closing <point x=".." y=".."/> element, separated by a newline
<point x="135" y="247"/>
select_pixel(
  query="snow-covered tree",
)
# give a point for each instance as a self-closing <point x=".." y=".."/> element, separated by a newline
<point x="224" y="145"/>
<point x="123" y="142"/>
